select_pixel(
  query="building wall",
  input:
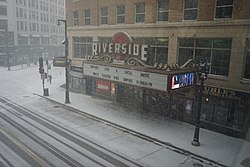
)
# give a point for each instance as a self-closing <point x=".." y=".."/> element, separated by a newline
<point x="206" y="26"/>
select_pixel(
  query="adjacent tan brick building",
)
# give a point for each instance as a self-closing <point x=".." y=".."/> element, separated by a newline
<point x="215" y="30"/>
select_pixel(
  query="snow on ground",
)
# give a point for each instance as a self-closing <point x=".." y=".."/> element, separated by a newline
<point x="218" y="147"/>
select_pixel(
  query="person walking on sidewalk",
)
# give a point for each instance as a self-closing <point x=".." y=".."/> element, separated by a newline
<point x="50" y="78"/>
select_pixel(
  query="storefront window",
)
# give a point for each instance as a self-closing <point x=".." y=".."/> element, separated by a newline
<point x="220" y="112"/>
<point x="75" y="83"/>
<point x="215" y="51"/>
<point x="247" y="61"/>
<point x="226" y="113"/>
<point x="207" y="110"/>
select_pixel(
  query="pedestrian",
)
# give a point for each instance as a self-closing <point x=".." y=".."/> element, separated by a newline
<point x="50" y="78"/>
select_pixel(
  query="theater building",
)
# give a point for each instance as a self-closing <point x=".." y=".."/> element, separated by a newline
<point x="130" y="51"/>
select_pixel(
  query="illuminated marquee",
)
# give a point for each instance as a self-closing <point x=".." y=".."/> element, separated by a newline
<point x="182" y="80"/>
<point x="132" y="77"/>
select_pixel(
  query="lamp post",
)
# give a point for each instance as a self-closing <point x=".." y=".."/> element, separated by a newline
<point x="7" y="47"/>
<point x="66" y="60"/>
<point x="203" y="69"/>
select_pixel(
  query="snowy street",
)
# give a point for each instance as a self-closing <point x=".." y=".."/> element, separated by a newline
<point x="62" y="135"/>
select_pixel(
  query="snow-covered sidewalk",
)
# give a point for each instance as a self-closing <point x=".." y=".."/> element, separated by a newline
<point x="223" y="149"/>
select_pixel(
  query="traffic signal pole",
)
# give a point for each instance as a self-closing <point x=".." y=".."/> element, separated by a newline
<point x="41" y="71"/>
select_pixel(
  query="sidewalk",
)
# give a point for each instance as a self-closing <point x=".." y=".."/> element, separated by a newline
<point x="223" y="149"/>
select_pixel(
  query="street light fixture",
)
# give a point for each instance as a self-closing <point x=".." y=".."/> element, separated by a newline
<point x="66" y="60"/>
<point x="203" y="70"/>
<point x="7" y="46"/>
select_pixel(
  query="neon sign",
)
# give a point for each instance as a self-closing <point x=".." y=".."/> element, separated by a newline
<point x="182" y="80"/>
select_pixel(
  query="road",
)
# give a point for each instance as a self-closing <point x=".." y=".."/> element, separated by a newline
<point x="37" y="132"/>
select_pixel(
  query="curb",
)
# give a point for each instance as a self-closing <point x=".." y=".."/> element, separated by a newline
<point x="138" y="134"/>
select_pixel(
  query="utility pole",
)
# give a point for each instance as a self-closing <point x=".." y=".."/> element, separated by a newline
<point x="7" y="47"/>
<point x="203" y="70"/>
<point x="66" y="60"/>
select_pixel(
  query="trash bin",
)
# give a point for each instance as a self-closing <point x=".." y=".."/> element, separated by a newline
<point x="46" y="92"/>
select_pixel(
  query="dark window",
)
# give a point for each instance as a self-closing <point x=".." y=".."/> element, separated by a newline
<point x="247" y="61"/>
<point x="226" y="113"/>
<point x="3" y="10"/>
<point x="82" y="46"/>
<point x="224" y="9"/>
<point x="75" y="18"/>
<point x="163" y="10"/>
<point x="158" y="50"/>
<point x="120" y="14"/>
<point x="190" y="9"/>
<point x="140" y="12"/>
<point x="104" y="15"/>
<point x="35" y="40"/>
<point x="215" y="51"/>
<point x="87" y="17"/>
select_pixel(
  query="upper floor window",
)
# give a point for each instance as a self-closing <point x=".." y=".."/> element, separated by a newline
<point x="217" y="51"/>
<point x="3" y="10"/>
<point x="87" y="17"/>
<point x="224" y="9"/>
<point x="140" y="12"/>
<point x="190" y="9"/>
<point x="104" y="15"/>
<point x="247" y="60"/>
<point x="75" y="18"/>
<point x="163" y="10"/>
<point x="3" y="23"/>
<point x="120" y="14"/>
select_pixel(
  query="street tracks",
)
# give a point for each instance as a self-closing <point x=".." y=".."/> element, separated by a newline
<point x="45" y="143"/>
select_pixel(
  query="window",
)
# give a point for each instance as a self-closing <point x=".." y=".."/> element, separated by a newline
<point x="247" y="60"/>
<point x="87" y="17"/>
<point x="215" y="51"/>
<point x="3" y="10"/>
<point x="190" y="9"/>
<point x="226" y="113"/>
<point x="163" y="10"/>
<point x="140" y="12"/>
<point x="224" y="9"/>
<point x="75" y="18"/>
<point x="35" y="40"/>
<point x="158" y="50"/>
<point x="104" y="15"/>
<point x="82" y="46"/>
<point x="22" y="40"/>
<point x="120" y="14"/>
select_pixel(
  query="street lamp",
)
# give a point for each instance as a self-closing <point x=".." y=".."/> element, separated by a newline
<point x="203" y="70"/>
<point x="7" y="47"/>
<point x="66" y="60"/>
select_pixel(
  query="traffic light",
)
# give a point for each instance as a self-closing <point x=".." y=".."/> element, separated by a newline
<point x="41" y="69"/>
